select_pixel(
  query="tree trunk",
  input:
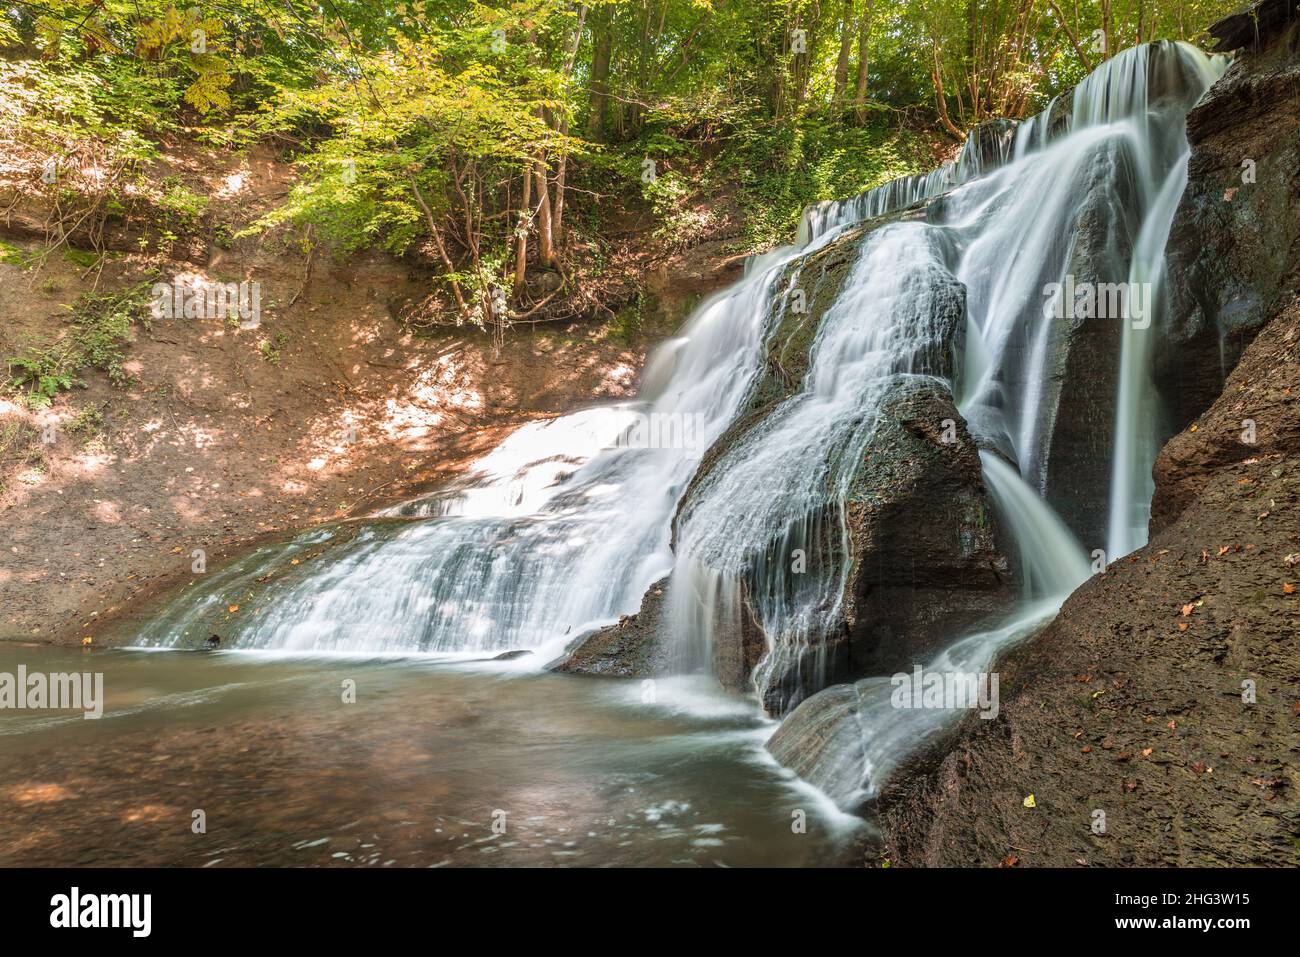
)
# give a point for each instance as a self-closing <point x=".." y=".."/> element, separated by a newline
<point x="545" y="237"/>
<point x="521" y="237"/>
<point x="562" y="164"/>
<point x="846" y="47"/>
<point x="437" y="239"/>
<point x="602" y="52"/>
<point x="864" y="38"/>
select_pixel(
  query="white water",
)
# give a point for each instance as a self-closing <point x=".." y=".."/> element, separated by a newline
<point x="563" y="528"/>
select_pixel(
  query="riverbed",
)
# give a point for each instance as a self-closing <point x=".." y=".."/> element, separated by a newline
<point x="239" y="758"/>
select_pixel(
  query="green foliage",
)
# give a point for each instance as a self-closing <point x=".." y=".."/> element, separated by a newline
<point x="83" y="258"/>
<point x="41" y="375"/>
<point x="100" y="328"/>
<point x="681" y="221"/>
<point x="416" y="124"/>
<point x="783" y="168"/>
<point x="11" y="255"/>
<point x="182" y="207"/>
<point x="87" y="422"/>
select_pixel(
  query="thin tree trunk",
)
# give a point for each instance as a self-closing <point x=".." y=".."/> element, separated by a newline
<point x="846" y="47"/>
<point x="937" y="76"/>
<point x="864" y="39"/>
<point x="562" y="165"/>
<point x="521" y="236"/>
<point x="1071" y="36"/>
<point x="602" y="50"/>
<point x="545" y="237"/>
<point x="437" y="240"/>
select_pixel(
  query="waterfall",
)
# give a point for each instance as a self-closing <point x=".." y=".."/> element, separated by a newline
<point x="561" y="529"/>
<point x="1006" y="237"/>
<point x="1139" y="430"/>
<point x="566" y="525"/>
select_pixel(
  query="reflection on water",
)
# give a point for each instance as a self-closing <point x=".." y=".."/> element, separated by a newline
<point x="411" y="774"/>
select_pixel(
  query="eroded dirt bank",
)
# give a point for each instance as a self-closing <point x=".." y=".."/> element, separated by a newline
<point x="223" y="436"/>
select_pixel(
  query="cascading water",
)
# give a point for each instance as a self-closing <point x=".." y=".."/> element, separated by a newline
<point x="562" y="528"/>
<point x="1009" y="237"/>
<point x="569" y="522"/>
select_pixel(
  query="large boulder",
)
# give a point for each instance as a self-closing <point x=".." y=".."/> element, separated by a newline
<point x="923" y="560"/>
<point x="1081" y="371"/>
<point x="903" y="553"/>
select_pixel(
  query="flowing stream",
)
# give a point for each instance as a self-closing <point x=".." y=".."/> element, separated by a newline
<point x="568" y="523"/>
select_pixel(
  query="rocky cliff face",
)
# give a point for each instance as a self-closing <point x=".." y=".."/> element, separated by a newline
<point x="1234" y="248"/>
<point x="1155" y="721"/>
<point x="1167" y="693"/>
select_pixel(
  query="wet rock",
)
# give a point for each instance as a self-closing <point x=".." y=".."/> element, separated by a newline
<point x="991" y="143"/>
<point x="923" y="560"/>
<point x="822" y="743"/>
<point x="910" y="556"/>
<point x="1255" y="26"/>
<point x="512" y="655"/>
<point x="636" y="647"/>
<point x="1081" y="371"/>
<point x="1234" y="248"/>
<point x="1160" y="686"/>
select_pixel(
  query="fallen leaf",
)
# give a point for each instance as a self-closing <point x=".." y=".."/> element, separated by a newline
<point x="1087" y="749"/>
<point x="1182" y="626"/>
<point x="1198" y="767"/>
<point x="1146" y="752"/>
<point x="1030" y="802"/>
<point x="1187" y="610"/>
<point x="1288" y="589"/>
<point x="1223" y="551"/>
<point x="1010" y="860"/>
<point x="232" y="609"/>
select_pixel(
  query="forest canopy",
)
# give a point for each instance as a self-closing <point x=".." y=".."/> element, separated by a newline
<point x="491" y="133"/>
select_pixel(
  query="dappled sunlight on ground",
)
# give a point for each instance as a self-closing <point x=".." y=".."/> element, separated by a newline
<point x="224" y="436"/>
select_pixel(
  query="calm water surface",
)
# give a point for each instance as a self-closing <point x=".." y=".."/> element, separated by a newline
<point x="413" y="774"/>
